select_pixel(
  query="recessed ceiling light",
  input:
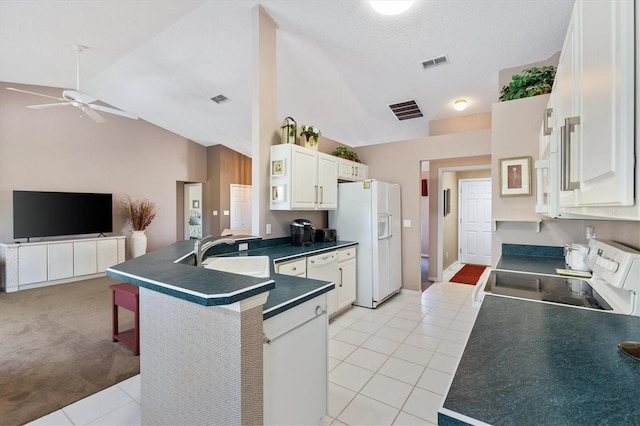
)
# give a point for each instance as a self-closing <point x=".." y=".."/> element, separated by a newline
<point x="390" y="8"/>
<point x="460" y="104"/>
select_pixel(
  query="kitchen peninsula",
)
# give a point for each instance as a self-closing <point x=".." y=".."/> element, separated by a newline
<point x="202" y="331"/>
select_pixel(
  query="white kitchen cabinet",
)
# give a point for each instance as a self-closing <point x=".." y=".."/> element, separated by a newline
<point x="346" y="285"/>
<point x="32" y="263"/>
<point x="303" y="179"/>
<point x="60" y="261"/>
<point x="595" y="108"/>
<point x="352" y="171"/>
<point x="295" y="360"/>
<point x="296" y="268"/>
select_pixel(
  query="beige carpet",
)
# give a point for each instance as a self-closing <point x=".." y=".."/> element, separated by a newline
<point x="56" y="348"/>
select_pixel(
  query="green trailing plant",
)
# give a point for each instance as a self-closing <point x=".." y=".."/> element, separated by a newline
<point x="346" y="153"/>
<point x="531" y="82"/>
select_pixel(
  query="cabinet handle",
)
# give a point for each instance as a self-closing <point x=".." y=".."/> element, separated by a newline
<point x="315" y="194"/>
<point x="321" y="194"/>
<point x="340" y="285"/>
<point x="565" y="142"/>
<point x="353" y="172"/>
<point x="545" y="121"/>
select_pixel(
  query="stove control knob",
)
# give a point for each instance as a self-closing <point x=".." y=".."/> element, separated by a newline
<point x="613" y="266"/>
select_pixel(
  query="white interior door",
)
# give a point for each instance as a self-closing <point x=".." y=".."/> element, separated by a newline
<point x="240" y="207"/>
<point x="474" y="212"/>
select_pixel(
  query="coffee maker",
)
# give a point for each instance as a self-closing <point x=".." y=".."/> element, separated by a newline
<point x="303" y="232"/>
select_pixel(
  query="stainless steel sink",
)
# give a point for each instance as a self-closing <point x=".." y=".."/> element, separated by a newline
<point x="254" y="266"/>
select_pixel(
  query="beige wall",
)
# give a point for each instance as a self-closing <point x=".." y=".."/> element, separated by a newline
<point x="465" y="123"/>
<point x="399" y="162"/>
<point x="56" y="150"/>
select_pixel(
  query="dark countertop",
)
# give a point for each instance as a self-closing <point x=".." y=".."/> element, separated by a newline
<point x="535" y="264"/>
<point x="159" y="271"/>
<point x="530" y="363"/>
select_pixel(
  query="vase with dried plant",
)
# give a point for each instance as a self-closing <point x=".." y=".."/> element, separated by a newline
<point x="138" y="214"/>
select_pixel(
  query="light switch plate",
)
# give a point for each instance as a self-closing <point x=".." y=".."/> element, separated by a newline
<point x="226" y="212"/>
<point x="406" y="223"/>
<point x="215" y="212"/>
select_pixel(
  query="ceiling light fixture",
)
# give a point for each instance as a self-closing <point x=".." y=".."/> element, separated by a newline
<point x="390" y="8"/>
<point x="460" y="104"/>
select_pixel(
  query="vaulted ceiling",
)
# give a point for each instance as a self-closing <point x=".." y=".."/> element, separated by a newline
<point x="339" y="63"/>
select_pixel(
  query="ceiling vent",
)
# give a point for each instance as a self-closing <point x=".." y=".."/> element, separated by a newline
<point x="406" y="110"/>
<point x="440" y="60"/>
<point x="220" y="99"/>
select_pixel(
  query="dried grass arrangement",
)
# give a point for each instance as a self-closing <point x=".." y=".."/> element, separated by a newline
<point x="139" y="214"/>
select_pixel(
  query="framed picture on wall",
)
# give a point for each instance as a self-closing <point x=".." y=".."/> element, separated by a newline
<point x="447" y="201"/>
<point x="515" y="176"/>
<point x="277" y="168"/>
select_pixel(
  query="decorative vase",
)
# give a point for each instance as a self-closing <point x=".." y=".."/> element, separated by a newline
<point x="138" y="243"/>
<point x="289" y="130"/>
<point x="309" y="142"/>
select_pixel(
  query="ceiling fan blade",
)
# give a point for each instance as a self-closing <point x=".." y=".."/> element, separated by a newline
<point x="113" y="111"/>
<point x="48" y="105"/>
<point x="34" y="93"/>
<point x="73" y="95"/>
<point x="93" y="115"/>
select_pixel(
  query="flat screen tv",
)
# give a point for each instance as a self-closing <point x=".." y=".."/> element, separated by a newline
<point x="47" y="214"/>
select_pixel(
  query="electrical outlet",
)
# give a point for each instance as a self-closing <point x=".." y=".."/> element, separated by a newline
<point x="447" y="255"/>
<point x="268" y="230"/>
<point x="215" y="212"/>
<point x="243" y="246"/>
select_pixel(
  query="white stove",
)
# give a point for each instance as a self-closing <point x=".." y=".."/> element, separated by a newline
<point x="614" y="285"/>
<point x="616" y="275"/>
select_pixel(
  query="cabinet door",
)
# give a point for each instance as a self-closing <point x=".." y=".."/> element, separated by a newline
<point x="347" y="287"/>
<point x="107" y="254"/>
<point x="32" y="264"/>
<point x="607" y="116"/>
<point x="304" y="183"/>
<point x="345" y="169"/>
<point x="60" y="261"/>
<point x="361" y="171"/>
<point x="84" y="259"/>
<point x="327" y="182"/>
<point x="296" y="373"/>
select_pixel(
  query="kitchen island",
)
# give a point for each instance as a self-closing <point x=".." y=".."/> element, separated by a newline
<point x="533" y="363"/>
<point x="202" y="332"/>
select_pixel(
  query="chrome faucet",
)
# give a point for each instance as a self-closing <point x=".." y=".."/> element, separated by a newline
<point x="200" y="247"/>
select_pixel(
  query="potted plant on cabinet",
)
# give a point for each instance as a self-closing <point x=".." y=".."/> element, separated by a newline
<point x="138" y="214"/>
<point x="346" y="153"/>
<point x="310" y="135"/>
<point x="531" y="82"/>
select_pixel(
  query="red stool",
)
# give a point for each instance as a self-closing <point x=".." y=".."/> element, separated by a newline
<point x="126" y="295"/>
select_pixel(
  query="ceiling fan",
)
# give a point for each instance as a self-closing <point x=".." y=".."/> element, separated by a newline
<point x="75" y="98"/>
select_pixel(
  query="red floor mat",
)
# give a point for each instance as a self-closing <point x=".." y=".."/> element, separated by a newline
<point x="469" y="274"/>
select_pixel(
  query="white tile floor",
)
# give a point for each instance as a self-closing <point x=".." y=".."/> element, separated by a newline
<point x="388" y="366"/>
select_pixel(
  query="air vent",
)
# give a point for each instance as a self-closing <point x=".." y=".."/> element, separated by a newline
<point x="406" y="110"/>
<point x="219" y="99"/>
<point x="440" y="60"/>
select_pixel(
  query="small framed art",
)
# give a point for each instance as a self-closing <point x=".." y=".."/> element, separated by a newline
<point x="515" y="176"/>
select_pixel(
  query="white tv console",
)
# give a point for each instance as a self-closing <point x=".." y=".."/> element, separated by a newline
<point x="30" y="265"/>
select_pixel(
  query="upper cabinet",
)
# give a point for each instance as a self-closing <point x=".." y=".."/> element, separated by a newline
<point x="594" y="106"/>
<point x="589" y="134"/>
<point x="303" y="179"/>
<point x="352" y="171"/>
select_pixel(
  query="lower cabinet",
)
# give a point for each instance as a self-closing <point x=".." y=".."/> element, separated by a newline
<point x="296" y="365"/>
<point x="345" y="292"/>
<point x="346" y="287"/>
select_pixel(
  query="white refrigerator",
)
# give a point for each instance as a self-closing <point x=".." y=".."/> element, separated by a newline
<point x="369" y="213"/>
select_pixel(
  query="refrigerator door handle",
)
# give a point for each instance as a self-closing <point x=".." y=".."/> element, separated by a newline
<point x="389" y="223"/>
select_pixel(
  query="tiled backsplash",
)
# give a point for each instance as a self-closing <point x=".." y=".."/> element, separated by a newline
<point x="529" y="250"/>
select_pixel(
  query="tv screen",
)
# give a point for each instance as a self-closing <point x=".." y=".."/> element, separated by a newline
<point x="47" y="214"/>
